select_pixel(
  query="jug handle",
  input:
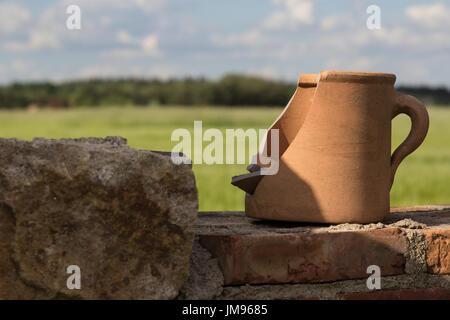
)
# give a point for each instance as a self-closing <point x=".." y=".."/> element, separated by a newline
<point x="415" y="109"/>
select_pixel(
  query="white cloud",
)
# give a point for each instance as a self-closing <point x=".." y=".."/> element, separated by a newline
<point x="344" y="41"/>
<point x="339" y="33"/>
<point x="420" y="74"/>
<point x="121" y="53"/>
<point x="18" y="70"/>
<point x="258" y="41"/>
<point x="414" y="40"/>
<point x="164" y="71"/>
<point x="352" y="62"/>
<point x="36" y="40"/>
<point x="137" y="47"/>
<point x="332" y="22"/>
<point x="150" y="38"/>
<point x="430" y="15"/>
<point x="397" y="36"/>
<point x="48" y="30"/>
<point x="149" y="5"/>
<point x="20" y="66"/>
<point x="268" y="72"/>
<point x="150" y="45"/>
<point x="145" y="5"/>
<point x="250" y="38"/>
<point x="125" y="38"/>
<point x="290" y="14"/>
<point x="99" y="71"/>
<point x="43" y="33"/>
<point x="12" y="17"/>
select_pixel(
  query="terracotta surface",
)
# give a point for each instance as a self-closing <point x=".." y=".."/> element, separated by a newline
<point x="288" y="124"/>
<point x="291" y="119"/>
<point x="335" y="147"/>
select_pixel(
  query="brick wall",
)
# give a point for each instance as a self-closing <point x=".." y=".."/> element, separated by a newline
<point x="273" y="260"/>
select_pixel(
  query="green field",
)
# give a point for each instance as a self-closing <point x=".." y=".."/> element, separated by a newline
<point x="423" y="177"/>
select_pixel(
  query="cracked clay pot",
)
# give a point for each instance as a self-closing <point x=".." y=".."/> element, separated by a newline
<point x="335" y="162"/>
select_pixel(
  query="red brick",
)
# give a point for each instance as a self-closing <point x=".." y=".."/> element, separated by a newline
<point x="426" y="208"/>
<point x="438" y="245"/>
<point x="402" y="294"/>
<point x="307" y="258"/>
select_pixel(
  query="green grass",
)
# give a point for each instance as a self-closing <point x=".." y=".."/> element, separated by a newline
<point x="422" y="178"/>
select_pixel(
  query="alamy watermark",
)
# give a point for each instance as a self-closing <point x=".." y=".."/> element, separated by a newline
<point x="374" y="20"/>
<point x="211" y="147"/>
<point x="374" y="281"/>
<point x="73" y="22"/>
<point x="74" y="280"/>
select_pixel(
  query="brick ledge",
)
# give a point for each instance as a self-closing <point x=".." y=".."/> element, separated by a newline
<point x="249" y="251"/>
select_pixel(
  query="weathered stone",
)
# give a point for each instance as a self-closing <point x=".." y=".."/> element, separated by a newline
<point x="126" y="217"/>
<point x="416" y="255"/>
<point x="409" y="224"/>
<point x="205" y="279"/>
<point x="438" y="246"/>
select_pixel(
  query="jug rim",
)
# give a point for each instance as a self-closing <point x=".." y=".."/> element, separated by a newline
<point x="308" y="79"/>
<point x="357" y="76"/>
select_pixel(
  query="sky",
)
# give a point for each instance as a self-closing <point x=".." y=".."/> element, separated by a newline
<point x="176" y="38"/>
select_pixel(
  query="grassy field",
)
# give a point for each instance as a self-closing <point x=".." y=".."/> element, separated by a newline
<point x="423" y="178"/>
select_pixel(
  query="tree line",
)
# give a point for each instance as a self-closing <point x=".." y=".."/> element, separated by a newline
<point x="230" y="90"/>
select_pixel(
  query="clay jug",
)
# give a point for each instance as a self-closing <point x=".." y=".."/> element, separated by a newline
<point x="336" y="165"/>
<point x="291" y="119"/>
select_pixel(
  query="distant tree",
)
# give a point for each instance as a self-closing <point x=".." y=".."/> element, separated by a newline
<point x="230" y="90"/>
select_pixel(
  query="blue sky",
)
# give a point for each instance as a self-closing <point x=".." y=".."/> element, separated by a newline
<point x="177" y="38"/>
